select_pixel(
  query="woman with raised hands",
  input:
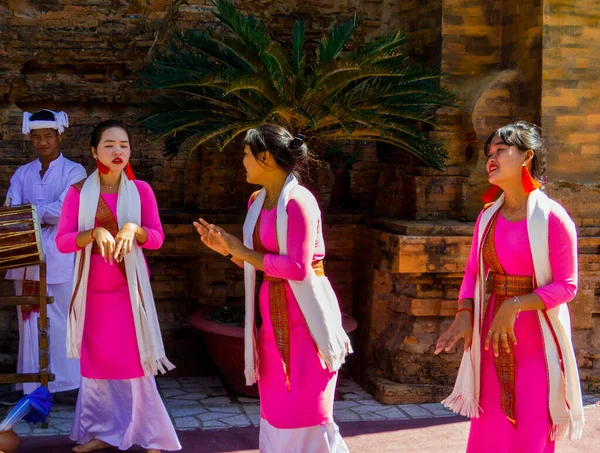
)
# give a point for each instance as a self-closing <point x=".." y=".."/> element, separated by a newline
<point x="296" y="352"/>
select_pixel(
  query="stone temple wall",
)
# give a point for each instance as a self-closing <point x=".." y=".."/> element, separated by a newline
<point x="397" y="233"/>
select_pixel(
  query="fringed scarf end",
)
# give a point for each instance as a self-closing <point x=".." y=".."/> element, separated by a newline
<point x="167" y="364"/>
<point x="457" y="403"/>
<point x="251" y="375"/>
<point x="573" y="430"/>
<point x="576" y="429"/>
<point x="163" y="364"/>
<point x="334" y="361"/>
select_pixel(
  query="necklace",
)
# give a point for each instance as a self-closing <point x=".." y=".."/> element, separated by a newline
<point x="515" y="213"/>
<point x="269" y="204"/>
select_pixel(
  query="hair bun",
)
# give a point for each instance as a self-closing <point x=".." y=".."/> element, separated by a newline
<point x="297" y="141"/>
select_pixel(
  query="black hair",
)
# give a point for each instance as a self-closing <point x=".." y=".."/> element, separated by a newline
<point x="103" y="126"/>
<point x="525" y="136"/>
<point x="42" y="115"/>
<point x="290" y="153"/>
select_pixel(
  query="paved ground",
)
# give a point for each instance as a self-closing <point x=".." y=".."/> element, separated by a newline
<point x="210" y="420"/>
<point x="202" y="402"/>
<point x="446" y="435"/>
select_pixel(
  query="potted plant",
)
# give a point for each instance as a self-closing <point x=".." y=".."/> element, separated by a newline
<point x="223" y="331"/>
<point x="215" y="86"/>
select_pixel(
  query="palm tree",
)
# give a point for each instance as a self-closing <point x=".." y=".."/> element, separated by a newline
<point x="216" y="86"/>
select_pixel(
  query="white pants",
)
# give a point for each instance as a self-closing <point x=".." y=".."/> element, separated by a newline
<point x="66" y="371"/>
<point x="313" y="439"/>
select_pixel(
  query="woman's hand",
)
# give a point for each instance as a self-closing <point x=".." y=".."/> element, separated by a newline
<point x="461" y="327"/>
<point x="217" y="239"/>
<point x="503" y="327"/>
<point x="106" y="242"/>
<point x="124" y="241"/>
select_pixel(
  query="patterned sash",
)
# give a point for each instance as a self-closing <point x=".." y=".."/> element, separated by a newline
<point x="277" y="304"/>
<point x="504" y="287"/>
<point x="29" y="288"/>
<point x="277" y="308"/>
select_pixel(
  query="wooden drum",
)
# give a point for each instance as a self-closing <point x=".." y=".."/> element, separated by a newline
<point x="20" y="237"/>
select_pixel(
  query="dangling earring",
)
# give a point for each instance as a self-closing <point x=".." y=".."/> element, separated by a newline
<point x="529" y="182"/>
<point x="129" y="172"/>
<point x="103" y="169"/>
<point x="491" y="194"/>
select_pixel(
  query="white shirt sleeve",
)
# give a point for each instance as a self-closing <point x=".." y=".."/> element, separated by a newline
<point x="51" y="212"/>
<point x="14" y="196"/>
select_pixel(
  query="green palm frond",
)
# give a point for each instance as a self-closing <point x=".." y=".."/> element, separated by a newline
<point x="332" y="45"/>
<point x="216" y="85"/>
<point x="299" y="55"/>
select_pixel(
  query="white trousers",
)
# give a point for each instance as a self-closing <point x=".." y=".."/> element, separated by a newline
<point x="313" y="439"/>
<point x="66" y="371"/>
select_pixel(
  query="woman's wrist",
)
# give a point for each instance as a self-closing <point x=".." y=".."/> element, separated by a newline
<point x="92" y="234"/>
<point x="465" y="304"/>
<point x="514" y="305"/>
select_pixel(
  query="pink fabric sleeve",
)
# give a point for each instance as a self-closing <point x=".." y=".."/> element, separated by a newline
<point x="467" y="287"/>
<point x="562" y="242"/>
<point x="150" y="217"/>
<point x="68" y="223"/>
<point x="296" y="265"/>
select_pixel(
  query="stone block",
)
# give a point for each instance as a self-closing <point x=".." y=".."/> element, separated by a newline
<point x="390" y="392"/>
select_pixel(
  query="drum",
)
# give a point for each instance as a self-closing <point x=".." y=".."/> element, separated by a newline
<point x="20" y="237"/>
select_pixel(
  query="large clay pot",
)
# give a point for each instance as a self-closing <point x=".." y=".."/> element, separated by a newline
<point x="225" y="345"/>
<point x="9" y="442"/>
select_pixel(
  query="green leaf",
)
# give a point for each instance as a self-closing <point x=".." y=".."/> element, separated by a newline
<point x="214" y="85"/>
<point x="333" y="43"/>
<point x="298" y="54"/>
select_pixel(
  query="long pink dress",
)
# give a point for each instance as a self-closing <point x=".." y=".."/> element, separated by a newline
<point x="117" y="403"/>
<point x="309" y="402"/>
<point x="492" y="432"/>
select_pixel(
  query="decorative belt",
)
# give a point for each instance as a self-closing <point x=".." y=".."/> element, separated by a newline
<point x="510" y="285"/>
<point x="317" y="266"/>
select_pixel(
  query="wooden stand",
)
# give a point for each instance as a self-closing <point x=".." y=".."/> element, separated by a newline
<point x="20" y="246"/>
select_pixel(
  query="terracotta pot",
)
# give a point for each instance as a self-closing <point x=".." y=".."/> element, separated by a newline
<point x="225" y="345"/>
<point x="9" y="442"/>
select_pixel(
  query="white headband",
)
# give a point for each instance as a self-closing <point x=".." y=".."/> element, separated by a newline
<point x="61" y="121"/>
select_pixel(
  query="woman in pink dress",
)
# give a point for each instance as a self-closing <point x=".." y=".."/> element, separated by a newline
<point x="519" y="378"/>
<point x="301" y="344"/>
<point x="113" y="326"/>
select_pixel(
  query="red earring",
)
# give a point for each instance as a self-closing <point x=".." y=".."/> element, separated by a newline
<point x="103" y="169"/>
<point x="129" y="172"/>
<point x="490" y="195"/>
<point x="529" y="182"/>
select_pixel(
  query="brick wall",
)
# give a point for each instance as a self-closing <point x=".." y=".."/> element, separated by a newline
<point x="505" y="59"/>
<point x="570" y="97"/>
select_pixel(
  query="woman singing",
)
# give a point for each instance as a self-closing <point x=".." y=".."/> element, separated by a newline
<point x="518" y="379"/>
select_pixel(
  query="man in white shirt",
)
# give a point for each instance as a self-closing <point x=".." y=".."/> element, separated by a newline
<point x="44" y="183"/>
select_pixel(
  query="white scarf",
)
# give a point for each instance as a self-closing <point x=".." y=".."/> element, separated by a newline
<point x="147" y="329"/>
<point x="555" y="323"/>
<point x="315" y="295"/>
